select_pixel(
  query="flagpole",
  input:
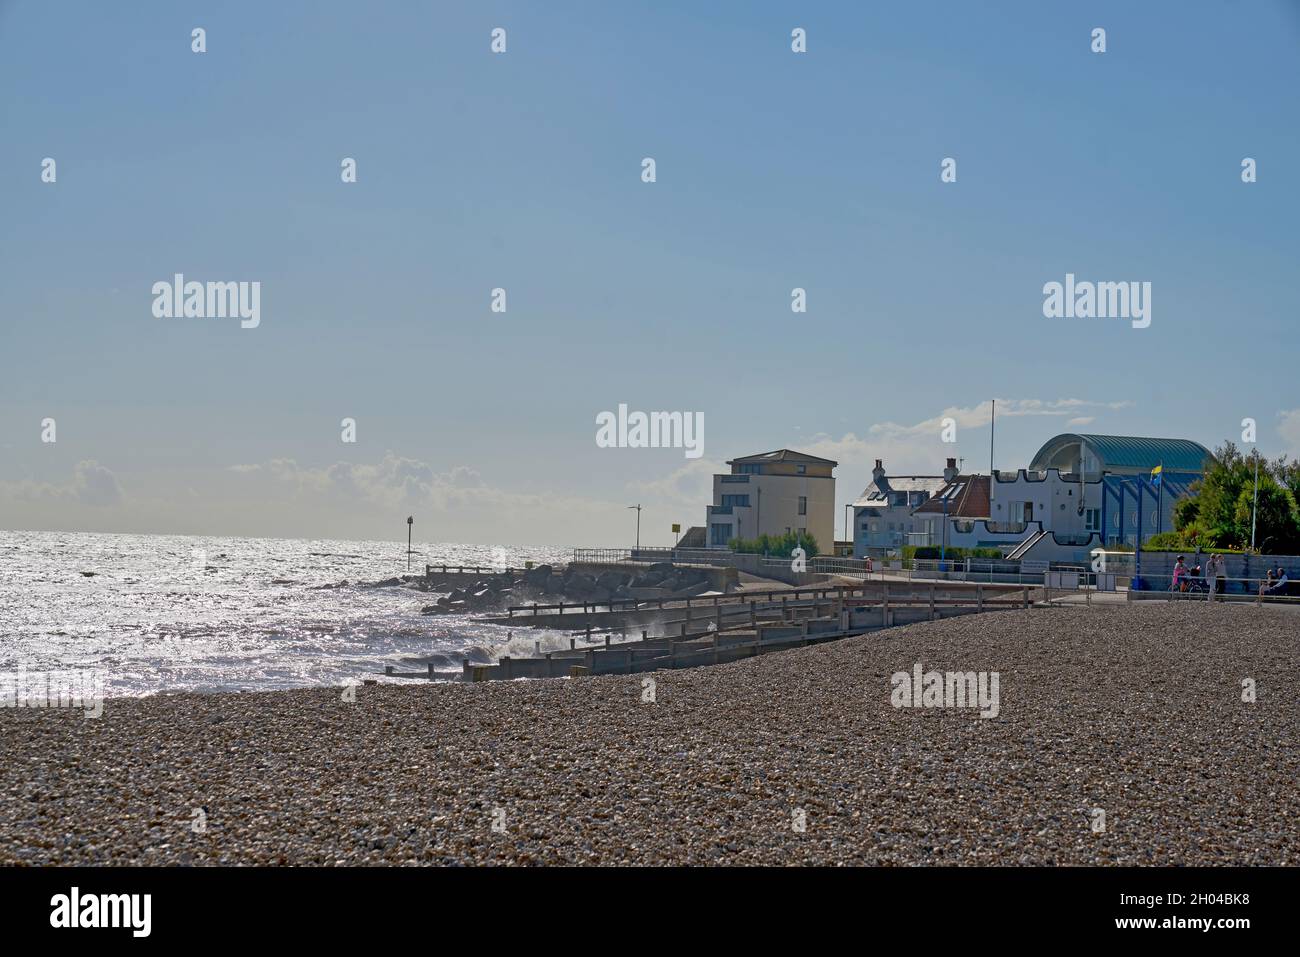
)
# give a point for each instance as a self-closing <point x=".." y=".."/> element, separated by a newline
<point x="1160" y="500"/>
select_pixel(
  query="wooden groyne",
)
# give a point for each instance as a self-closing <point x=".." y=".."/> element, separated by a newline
<point x="720" y="628"/>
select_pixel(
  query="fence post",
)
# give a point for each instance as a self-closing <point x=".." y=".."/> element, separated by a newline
<point x="884" y="604"/>
<point x="1026" y="596"/>
<point x="979" y="596"/>
<point x="932" y="601"/>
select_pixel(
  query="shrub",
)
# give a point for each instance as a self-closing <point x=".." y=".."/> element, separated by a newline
<point x="951" y="553"/>
<point x="783" y="545"/>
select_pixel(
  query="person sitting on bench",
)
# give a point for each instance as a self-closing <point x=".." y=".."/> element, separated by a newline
<point x="1267" y="584"/>
<point x="1279" y="585"/>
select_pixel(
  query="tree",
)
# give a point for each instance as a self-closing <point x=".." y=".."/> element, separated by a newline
<point x="1276" y="520"/>
<point x="1217" y="513"/>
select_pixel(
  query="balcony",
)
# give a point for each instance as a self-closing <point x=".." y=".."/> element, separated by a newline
<point x="1007" y="528"/>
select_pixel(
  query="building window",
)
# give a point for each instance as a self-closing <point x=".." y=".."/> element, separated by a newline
<point x="803" y="504"/>
<point x="719" y="535"/>
<point x="749" y="468"/>
<point x="801" y="469"/>
<point x="735" y="501"/>
<point x="1092" y="519"/>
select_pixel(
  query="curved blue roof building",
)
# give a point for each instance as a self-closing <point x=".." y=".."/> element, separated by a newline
<point x="1119" y="454"/>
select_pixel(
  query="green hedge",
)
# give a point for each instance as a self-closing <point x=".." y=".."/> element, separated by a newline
<point x="952" y="552"/>
<point x="783" y="545"/>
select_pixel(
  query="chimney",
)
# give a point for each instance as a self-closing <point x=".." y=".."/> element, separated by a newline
<point x="878" y="472"/>
<point x="950" y="471"/>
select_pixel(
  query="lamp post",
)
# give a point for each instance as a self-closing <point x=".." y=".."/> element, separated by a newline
<point x="1254" y="505"/>
<point x="638" y="525"/>
<point x="410" y="520"/>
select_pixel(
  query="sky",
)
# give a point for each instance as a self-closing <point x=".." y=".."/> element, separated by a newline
<point x="523" y="171"/>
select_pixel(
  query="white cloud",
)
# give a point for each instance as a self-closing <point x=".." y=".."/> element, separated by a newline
<point x="91" y="484"/>
<point x="1288" y="427"/>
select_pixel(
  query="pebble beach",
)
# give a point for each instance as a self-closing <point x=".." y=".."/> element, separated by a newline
<point x="792" y="758"/>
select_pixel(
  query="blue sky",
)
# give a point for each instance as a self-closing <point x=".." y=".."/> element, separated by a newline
<point x="522" y="170"/>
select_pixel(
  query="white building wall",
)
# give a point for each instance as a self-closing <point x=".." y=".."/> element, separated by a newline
<point x="774" y="507"/>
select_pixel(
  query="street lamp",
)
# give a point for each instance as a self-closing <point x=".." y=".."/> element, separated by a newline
<point x="1254" y="505"/>
<point x="638" y="525"/>
<point x="410" y="520"/>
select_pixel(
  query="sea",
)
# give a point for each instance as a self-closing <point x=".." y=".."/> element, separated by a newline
<point x="150" y="614"/>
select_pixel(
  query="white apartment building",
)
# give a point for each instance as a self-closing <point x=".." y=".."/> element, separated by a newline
<point x="773" y="493"/>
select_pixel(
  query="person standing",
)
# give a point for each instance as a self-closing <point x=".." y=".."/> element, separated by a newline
<point x="1213" y="569"/>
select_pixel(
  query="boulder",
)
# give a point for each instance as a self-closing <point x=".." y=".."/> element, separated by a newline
<point x="538" y="576"/>
<point x="611" y="580"/>
<point x="580" y="585"/>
